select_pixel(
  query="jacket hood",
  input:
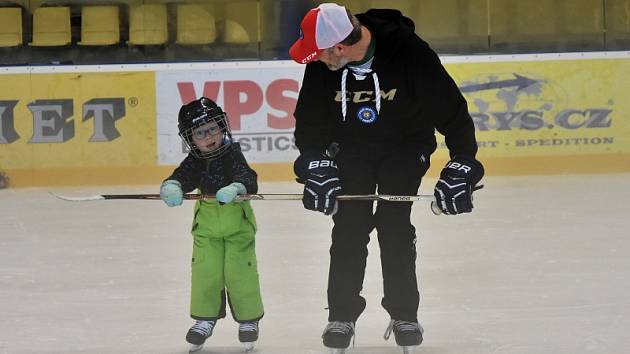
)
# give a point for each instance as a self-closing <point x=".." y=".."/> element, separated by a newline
<point x="390" y="29"/>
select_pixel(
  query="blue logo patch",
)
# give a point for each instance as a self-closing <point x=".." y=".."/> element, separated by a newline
<point x="366" y="115"/>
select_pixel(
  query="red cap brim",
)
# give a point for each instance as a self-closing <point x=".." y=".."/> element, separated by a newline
<point x="301" y="54"/>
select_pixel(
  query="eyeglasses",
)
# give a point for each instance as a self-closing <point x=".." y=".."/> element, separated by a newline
<point x="202" y="133"/>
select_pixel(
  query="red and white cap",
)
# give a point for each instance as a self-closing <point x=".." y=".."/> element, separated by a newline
<point x="321" y="28"/>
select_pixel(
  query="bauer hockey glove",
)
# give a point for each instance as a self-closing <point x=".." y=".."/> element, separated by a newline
<point x="171" y="192"/>
<point x="228" y="193"/>
<point x="320" y="177"/>
<point x="453" y="191"/>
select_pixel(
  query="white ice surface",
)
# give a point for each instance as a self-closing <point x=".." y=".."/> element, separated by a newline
<point x="542" y="266"/>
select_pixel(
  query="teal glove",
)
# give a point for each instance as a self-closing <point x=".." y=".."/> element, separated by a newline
<point x="171" y="192"/>
<point x="227" y="194"/>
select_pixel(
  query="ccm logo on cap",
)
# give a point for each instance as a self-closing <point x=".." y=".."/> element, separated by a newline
<point x="309" y="57"/>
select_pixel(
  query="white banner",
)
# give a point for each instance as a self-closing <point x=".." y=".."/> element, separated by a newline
<point x="258" y="98"/>
<point x="522" y="106"/>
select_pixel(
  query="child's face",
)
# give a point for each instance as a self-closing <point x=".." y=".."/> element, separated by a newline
<point x="207" y="137"/>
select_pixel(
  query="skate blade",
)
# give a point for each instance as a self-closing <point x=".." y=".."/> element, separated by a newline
<point x="249" y="346"/>
<point x="409" y="349"/>
<point x="195" y="348"/>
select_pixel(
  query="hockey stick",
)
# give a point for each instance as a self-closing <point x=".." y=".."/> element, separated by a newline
<point x="267" y="196"/>
<point x="272" y="196"/>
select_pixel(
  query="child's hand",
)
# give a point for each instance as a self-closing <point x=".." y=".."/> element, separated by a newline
<point x="171" y="193"/>
<point x="227" y="194"/>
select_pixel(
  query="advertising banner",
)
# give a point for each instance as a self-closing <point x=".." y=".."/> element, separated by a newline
<point x="77" y="120"/>
<point x="545" y="108"/>
<point x="259" y="102"/>
<point x="520" y="108"/>
<point x="118" y="124"/>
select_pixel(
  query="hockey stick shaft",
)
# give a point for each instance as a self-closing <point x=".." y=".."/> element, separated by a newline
<point x="366" y="197"/>
<point x="272" y="196"/>
<point x="268" y="196"/>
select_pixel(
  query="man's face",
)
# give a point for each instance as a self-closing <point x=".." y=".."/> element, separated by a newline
<point x="333" y="59"/>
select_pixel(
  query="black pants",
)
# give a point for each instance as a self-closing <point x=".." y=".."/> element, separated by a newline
<point x="394" y="172"/>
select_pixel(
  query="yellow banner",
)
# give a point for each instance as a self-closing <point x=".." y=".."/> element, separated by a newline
<point x="77" y="120"/>
<point x="547" y="108"/>
<point x="540" y="116"/>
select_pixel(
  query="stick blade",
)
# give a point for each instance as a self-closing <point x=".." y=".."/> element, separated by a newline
<point x="78" y="199"/>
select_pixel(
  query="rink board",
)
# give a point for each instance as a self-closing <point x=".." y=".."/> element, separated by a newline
<point x="534" y="114"/>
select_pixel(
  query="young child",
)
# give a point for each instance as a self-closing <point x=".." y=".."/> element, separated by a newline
<point x="223" y="257"/>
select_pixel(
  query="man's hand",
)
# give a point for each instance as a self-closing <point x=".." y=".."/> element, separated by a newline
<point x="453" y="191"/>
<point x="171" y="192"/>
<point x="320" y="177"/>
<point x="228" y="193"/>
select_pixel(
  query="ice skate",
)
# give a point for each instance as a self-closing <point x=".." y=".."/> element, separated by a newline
<point x="337" y="336"/>
<point x="198" y="334"/>
<point x="408" y="334"/>
<point x="248" y="334"/>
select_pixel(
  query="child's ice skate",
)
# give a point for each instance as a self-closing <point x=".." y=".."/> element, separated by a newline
<point x="198" y="334"/>
<point x="408" y="334"/>
<point x="248" y="334"/>
<point x="337" y="336"/>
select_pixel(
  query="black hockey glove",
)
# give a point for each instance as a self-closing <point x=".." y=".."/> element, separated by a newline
<point x="453" y="191"/>
<point x="320" y="177"/>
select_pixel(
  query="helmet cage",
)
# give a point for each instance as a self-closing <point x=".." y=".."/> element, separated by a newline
<point x="202" y="117"/>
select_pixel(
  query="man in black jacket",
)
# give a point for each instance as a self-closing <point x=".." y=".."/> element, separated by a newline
<point x="372" y="97"/>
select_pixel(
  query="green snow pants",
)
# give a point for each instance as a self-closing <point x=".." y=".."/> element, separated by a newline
<point x="224" y="260"/>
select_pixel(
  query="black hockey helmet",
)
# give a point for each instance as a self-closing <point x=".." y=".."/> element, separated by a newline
<point x="198" y="113"/>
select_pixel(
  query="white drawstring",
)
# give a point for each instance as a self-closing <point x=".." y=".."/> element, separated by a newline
<point x="344" y="106"/>
<point x="377" y="90"/>
<point x="359" y="74"/>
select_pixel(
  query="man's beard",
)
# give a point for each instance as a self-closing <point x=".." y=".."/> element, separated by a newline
<point x="334" y="67"/>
